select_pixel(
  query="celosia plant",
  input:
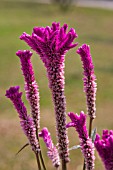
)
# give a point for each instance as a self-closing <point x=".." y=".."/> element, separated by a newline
<point x="52" y="150"/>
<point x="51" y="44"/>
<point x="89" y="79"/>
<point x="87" y="146"/>
<point x="104" y="147"/>
<point x="26" y="121"/>
<point x="31" y="88"/>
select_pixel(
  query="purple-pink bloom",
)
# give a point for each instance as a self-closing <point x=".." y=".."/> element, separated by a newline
<point x="31" y="87"/>
<point x="52" y="43"/>
<point x="26" y="121"/>
<point x="104" y="147"/>
<point x="87" y="147"/>
<point x="90" y="86"/>
<point x="52" y="150"/>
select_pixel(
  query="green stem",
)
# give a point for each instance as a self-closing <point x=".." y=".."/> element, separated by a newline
<point x="84" y="166"/>
<point x="64" y="167"/>
<point x="40" y="153"/>
<point x="38" y="161"/>
<point x="90" y="126"/>
<point x="42" y="161"/>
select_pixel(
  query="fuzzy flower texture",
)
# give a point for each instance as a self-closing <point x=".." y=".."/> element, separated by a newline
<point x="52" y="43"/>
<point x="31" y="87"/>
<point x="87" y="147"/>
<point x="90" y="86"/>
<point x="104" y="147"/>
<point x="52" y="150"/>
<point x="26" y="121"/>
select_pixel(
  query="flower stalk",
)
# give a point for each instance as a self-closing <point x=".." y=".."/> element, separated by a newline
<point x="90" y="86"/>
<point x="52" y="150"/>
<point x="32" y="92"/>
<point x="26" y="121"/>
<point x="87" y="147"/>
<point x="104" y="148"/>
<point x="51" y="43"/>
<point x="31" y="87"/>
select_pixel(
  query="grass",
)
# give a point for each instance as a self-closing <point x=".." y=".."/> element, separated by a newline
<point x="94" y="26"/>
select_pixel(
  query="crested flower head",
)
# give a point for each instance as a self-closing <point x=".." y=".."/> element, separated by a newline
<point x="31" y="87"/>
<point x="79" y="122"/>
<point x="89" y="79"/>
<point x="52" y="150"/>
<point x="86" y="58"/>
<point x="87" y="147"/>
<point x="51" y="43"/>
<point x="104" y="147"/>
<point x="15" y="96"/>
<point x="25" y="57"/>
<point x="26" y="121"/>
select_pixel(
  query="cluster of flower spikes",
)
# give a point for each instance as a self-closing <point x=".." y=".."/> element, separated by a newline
<point x="90" y="86"/>
<point x="104" y="147"/>
<point x="51" y="43"/>
<point x="52" y="150"/>
<point x="87" y="147"/>
<point x="26" y="121"/>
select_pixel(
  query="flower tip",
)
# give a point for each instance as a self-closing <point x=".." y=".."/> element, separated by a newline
<point x="70" y="124"/>
<point x="73" y="45"/>
<point x="69" y="114"/>
<point x="40" y="134"/>
<point x="23" y="36"/>
<point x="78" y="50"/>
<point x="65" y="26"/>
<point x="43" y="132"/>
<point x="73" y="32"/>
<point x="55" y="26"/>
<point x="97" y="138"/>
<point x="105" y="132"/>
<point x="24" y="53"/>
<point x="111" y="132"/>
<point x="83" y="49"/>
<point x="11" y="91"/>
<point x="73" y="116"/>
<point x="18" y="53"/>
<point x="82" y="114"/>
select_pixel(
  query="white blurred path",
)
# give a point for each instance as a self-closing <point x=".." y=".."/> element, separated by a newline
<point x="106" y="4"/>
<point x="94" y="3"/>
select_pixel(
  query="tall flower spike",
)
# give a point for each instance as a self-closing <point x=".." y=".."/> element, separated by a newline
<point x="51" y="43"/>
<point x="26" y="121"/>
<point x="104" y="147"/>
<point x="31" y="88"/>
<point x="90" y="86"/>
<point x="87" y="147"/>
<point x="52" y="150"/>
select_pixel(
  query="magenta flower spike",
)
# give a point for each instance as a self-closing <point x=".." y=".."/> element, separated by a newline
<point x="90" y="86"/>
<point x="87" y="147"/>
<point x="104" y="147"/>
<point x="52" y="150"/>
<point x="26" y="121"/>
<point x="31" y="87"/>
<point x="52" y="43"/>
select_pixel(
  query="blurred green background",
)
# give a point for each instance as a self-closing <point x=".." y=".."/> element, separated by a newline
<point x="94" y="27"/>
